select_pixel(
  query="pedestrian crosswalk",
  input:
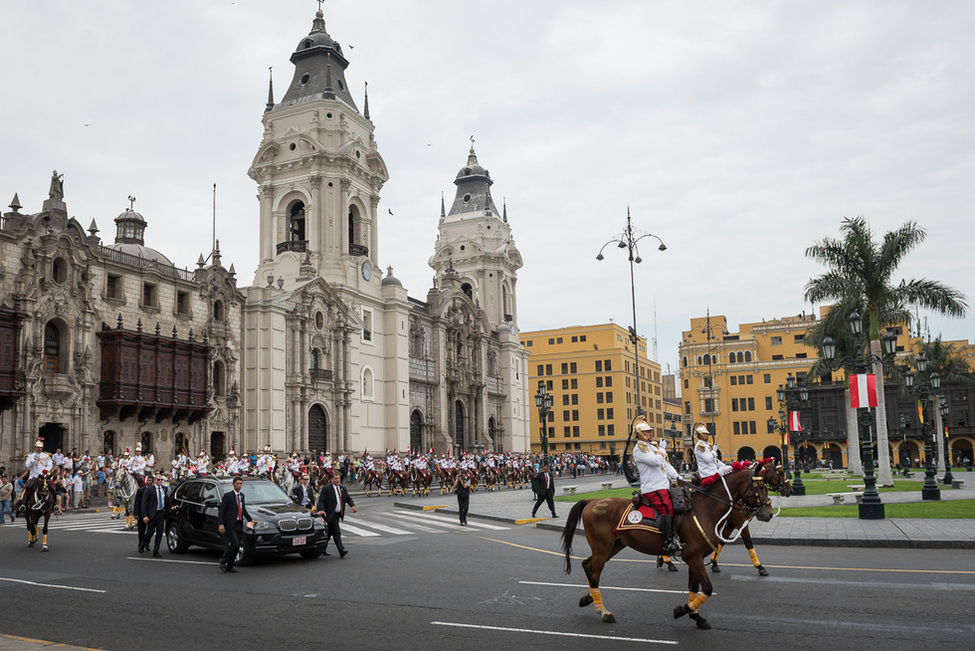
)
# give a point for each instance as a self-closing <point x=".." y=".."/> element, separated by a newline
<point x="373" y="525"/>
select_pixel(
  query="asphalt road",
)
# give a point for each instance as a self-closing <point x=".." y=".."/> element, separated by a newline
<point x="416" y="580"/>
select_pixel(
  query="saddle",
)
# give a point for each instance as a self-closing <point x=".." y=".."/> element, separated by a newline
<point x="680" y="497"/>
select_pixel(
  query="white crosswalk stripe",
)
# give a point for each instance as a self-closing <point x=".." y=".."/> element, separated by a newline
<point x="391" y="523"/>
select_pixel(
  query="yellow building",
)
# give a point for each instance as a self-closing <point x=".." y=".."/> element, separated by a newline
<point x="590" y="372"/>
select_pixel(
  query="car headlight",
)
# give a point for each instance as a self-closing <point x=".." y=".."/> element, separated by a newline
<point x="263" y="525"/>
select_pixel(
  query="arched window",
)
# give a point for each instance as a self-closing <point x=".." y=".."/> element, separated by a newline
<point x="296" y="222"/>
<point x="314" y="359"/>
<point x="218" y="311"/>
<point x="52" y="349"/>
<point x="219" y="380"/>
<point x="731" y="358"/>
<point x="685" y="361"/>
<point x="748" y="355"/>
<point x="146" y="444"/>
<point x="467" y="289"/>
<point x="741" y="357"/>
<point x="416" y="430"/>
<point x="699" y="360"/>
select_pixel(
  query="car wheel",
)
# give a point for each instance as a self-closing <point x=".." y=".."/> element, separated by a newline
<point x="174" y="539"/>
<point x="245" y="555"/>
<point x="311" y="553"/>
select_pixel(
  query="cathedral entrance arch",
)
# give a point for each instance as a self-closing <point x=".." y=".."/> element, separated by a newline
<point x="317" y="429"/>
<point x="217" y="442"/>
<point x="416" y="430"/>
<point x="108" y="442"/>
<point x="53" y="435"/>
<point x="460" y="439"/>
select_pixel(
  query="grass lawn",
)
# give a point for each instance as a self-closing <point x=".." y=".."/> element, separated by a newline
<point x="948" y="510"/>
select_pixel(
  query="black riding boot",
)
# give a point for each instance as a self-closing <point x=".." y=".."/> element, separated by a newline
<point x="671" y="546"/>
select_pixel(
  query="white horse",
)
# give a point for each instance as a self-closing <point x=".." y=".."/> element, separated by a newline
<point x="123" y="487"/>
<point x="284" y="478"/>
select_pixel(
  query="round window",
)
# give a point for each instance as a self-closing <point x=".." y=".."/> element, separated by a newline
<point x="304" y="79"/>
<point x="292" y="146"/>
<point x="467" y="198"/>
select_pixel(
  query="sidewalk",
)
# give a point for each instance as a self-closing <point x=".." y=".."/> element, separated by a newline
<point x="514" y="507"/>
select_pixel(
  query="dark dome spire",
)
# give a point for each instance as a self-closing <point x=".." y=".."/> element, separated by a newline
<point x="319" y="69"/>
<point x="473" y="187"/>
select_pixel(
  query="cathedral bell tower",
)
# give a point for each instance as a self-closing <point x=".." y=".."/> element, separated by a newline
<point x="319" y="174"/>
<point x="475" y="248"/>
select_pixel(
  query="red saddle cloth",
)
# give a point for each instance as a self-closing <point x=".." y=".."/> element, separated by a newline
<point x="641" y="519"/>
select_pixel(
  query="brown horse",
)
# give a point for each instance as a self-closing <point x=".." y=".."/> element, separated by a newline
<point x="396" y="482"/>
<point x="743" y="491"/>
<point x="40" y="503"/>
<point x="775" y="480"/>
<point x="369" y="479"/>
<point x="421" y="480"/>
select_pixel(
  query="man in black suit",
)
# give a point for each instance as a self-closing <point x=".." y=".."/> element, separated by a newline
<point x="138" y="513"/>
<point x="153" y="506"/>
<point x="331" y="505"/>
<point x="231" y="516"/>
<point x="302" y="494"/>
<point x="545" y="489"/>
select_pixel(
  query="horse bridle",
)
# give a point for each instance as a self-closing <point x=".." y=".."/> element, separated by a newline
<point x="750" y="503"/>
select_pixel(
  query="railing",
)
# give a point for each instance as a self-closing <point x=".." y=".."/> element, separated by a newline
<point x="143" y="263"/>
<point x="324" y="374"/>
<point x="358" y="249"/>
<point x="296" y="246"/>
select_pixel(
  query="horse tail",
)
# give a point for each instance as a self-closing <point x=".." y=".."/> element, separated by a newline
<point x="570" y="531"/>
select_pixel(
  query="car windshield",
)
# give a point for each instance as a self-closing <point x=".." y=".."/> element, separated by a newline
<point x="261" y="492"/>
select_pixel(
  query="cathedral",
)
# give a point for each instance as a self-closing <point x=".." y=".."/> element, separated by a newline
<point x="110" y="346"/>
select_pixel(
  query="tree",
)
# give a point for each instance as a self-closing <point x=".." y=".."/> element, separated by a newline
<point x="860" y="277"/>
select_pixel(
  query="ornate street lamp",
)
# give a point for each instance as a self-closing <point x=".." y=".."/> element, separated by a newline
<point x="870" y="508"/>
<point x="944" y="419"/>
<point x="925" y="390"/>
<point x="791" y="399"/>
<point x="543" y="400"/>
<point x="628" y="240"/>
<point x="673" y="443"/>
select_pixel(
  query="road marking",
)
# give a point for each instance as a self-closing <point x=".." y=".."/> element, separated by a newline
<point x="382" y="527"/>
<point x="167" y="560"/>
<point x="869" y="584"/>
<point x="506" y="629"/>
<point x="357" y="531"/>
<point x="440" y="519"/>
<point x="420" y="527"/>
<point x="51" y="585"/>
<point x="606" y="587"/>
<point x="46" y="642"/>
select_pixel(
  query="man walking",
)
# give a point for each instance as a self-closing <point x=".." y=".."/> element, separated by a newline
<point x="231" y="516"/>
<point x="6" y="495"/>
<point x="545" y="488"/>
<point x="154" y="503"/>
<point x="331" y="505"/>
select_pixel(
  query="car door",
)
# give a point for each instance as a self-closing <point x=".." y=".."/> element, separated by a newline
<point x="210" y="499"/>
<point x="190" y="511"/>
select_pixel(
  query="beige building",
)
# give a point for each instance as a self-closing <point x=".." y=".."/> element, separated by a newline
<point x="591" y="372"/>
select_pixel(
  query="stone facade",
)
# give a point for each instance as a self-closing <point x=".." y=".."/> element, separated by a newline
<point x="323" y="351"/>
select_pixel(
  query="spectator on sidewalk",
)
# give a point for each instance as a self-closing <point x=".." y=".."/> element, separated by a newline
<point x="462" y="489"/>
<point x="6" y="495"/>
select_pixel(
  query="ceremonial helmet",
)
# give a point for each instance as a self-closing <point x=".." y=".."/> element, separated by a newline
<point x="138" y="447"/>
<point x="701" y="430"/>
<point x="643" y="430"/>
<point x="267" y="448"/>
<point x="232" y="450"/>
<point x="39" y="443"/>
<point x="126" y="453"/>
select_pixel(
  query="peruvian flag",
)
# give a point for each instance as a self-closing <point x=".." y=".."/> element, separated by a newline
<point x="794" y="425"/>
<point x="863" y="390"/>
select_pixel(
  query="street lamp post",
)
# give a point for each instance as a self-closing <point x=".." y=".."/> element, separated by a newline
<point x="870" y="508"/>
<point x="543" y="400"/>
<point x="792" y="399"/>
<point x="925" y="390"/>
<point x="673" y="443"/>
<point x="628" y="240"/>
<point x="949" y="478"/>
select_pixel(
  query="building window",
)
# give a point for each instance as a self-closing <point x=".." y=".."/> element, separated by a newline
<point x="59" y="270"/>
<point x="575" y="431"/>
<point x="182" y="302"/>
<point x="734" y="380"/>
<point x="113" y="286"/>
<point x="575" y="398"/>
<point x="565" y="400"/>
<point x="528" y="344"/>
<point x="777" y="358"/>
<point x="749" y="379"/>
<point x="600" y="413"/>
<point x="801" y="355"/>
<point x="609" y="396"/>
<point x="52" y="349"/>
<point x="599" y="381"/>
<point x="608" y="381"/>
<point x="366" y="325"/>
<point x="541" y="370"/>
<point x="565" y="385"/>
<point x="575" y="339"/>
<point x="610" y="430"/>
<point x="608" y="365"/>
<point x="707" y="381"/>
<point x="601" y="430"/>
<point x="573" y="383"/>
<point x="609" y="413"/>
<point x="219" y="383"/>
<point x="776" y="341"/>
<point x="768" y="402"/>
<point x="709" y="405"/>
<point x="599" y="366"/>
<point x="736" y="428"/>
<point x="149" y="295"/>
<point x="799" y="338"/>
<point x="748" y="355"/>
<point x="575" y="414"/>
<point x="218" y="311"/>
<point x="751" y="405"/>
<point x="572" y="367"/>
<point x="767" y="378"/>
<point x="565" y="368"/>
<point x="551" y="341"/>
<point x="582" y="337"/>
<point x="565" y="415"/>
<point x="599" y="398"/>
<point x="548" y="369"/>
<point x="734" y="404"/>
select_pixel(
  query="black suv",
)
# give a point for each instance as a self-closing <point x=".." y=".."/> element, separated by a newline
<point x="283" y="527"/>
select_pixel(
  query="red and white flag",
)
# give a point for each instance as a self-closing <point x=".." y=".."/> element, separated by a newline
<point x="794" y="424"/>
<point x="863" y="390"/>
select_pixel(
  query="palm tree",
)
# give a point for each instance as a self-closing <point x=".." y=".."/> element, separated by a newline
<point x="860" y="277"/>
<point x="944" y="360"/>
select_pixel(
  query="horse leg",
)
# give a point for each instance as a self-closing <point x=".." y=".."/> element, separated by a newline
<point x="714" y="559"/>
<point x="47" y="516"/>
<point x="699" y="591"/>
<point x="747" y="539"/>
<point x="593" y="567"/>
<point x="31" y="531"/>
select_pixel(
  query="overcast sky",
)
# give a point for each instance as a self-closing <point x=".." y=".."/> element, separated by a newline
<point x="739" y="132"/>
